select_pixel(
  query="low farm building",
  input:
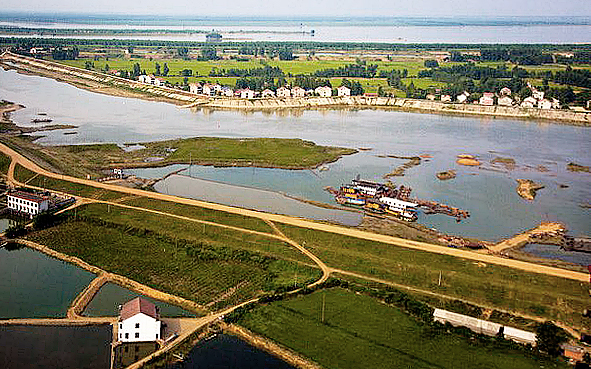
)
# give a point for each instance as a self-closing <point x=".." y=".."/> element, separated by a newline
<point x="484" y="327"/>
<point x="139" y="321"/>
<point x="27" y="203"/>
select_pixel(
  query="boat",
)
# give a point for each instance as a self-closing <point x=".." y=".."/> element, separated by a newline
<point x="403" y="209"/>
<point x="41" y="120"/>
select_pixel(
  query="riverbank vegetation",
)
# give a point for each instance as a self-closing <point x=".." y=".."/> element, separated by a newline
<point x="197" y="262"/>
<point x="348" y="330"/>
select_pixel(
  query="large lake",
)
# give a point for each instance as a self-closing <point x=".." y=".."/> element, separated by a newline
<point x="488" y="193"/>
<point x="469" y="30"/>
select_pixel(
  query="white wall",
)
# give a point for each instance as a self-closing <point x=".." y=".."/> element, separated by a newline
<point x="139" y="328"/>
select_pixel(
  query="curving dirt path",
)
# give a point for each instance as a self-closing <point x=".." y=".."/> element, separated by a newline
<point x="303" y="223"/>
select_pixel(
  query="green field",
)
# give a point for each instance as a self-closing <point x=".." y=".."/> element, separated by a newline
<point x="259" y="152"/>
<point x="361" y="332"/>
<point x="4" y="163"/>
<point x="28" y="177"/>
<point x="199" y="263"/>
<point x="482" y="284"/>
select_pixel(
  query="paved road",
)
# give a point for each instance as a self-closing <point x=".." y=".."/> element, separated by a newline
<point x="516" y="264"/>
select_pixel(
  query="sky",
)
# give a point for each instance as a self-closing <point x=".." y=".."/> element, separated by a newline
<point x="388" y="8"/>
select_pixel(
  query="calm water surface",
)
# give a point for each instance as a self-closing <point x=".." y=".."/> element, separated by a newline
<point x="488" y="193"/>
<point x="106" y="302"/>
<point x="55" y="347"/>
<point x="33" y="285"/>
<point x="226" y="351"/>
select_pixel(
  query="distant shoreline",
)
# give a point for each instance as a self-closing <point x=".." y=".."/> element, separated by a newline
<point x="111" y="85"/>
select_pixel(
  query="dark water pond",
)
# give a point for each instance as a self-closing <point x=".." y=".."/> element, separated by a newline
<point x="224" y="351"/>
<point x="55" y="347"/>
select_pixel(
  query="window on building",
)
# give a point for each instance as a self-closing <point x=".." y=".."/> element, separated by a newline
<point x="120" y="325"/>
<point x="137" y="325"/>
<point x="126" y="335"/>
<point x="156" y="335"/>
<point x="137" y="334"/>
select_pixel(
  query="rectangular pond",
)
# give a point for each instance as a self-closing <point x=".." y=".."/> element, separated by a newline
<point x="34" y="285"/>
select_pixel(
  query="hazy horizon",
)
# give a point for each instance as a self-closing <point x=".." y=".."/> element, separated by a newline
<point x="306" y="8"/>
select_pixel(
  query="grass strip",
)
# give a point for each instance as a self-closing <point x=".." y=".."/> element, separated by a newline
<point x="361" y="332"/>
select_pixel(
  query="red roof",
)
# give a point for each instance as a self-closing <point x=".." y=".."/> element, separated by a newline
<point x="136" y="306"/>
<point x="27" y="196"/>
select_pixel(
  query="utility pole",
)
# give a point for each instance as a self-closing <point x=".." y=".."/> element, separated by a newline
<point x="323" y="305"/>
<point x="439" y="278"/>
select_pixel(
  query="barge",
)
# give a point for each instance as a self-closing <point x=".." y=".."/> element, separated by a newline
<point x="386" y="199"/>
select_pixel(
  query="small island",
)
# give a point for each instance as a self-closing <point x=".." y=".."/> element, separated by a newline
<point x="448" y="174"/>
<point x="574" y="167"/>
<point x="468" y="160"/>
<point x="528" y="188"/>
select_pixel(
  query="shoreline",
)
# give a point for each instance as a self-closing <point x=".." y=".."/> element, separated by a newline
<point x="115" y="86"/>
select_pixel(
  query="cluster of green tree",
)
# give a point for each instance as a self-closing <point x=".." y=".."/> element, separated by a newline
<point x="254" y="50"/>
<point x="394" y="77"/>
<point x="278" y="45"/>
<point x="60" y="53"/>
<point x="259" y="83"/>
<point x="355" y="86"/>
<point x="526" y="55"/>
<point x="208" y="53"/>
<point x="470" y="70"/>
<point x="266" y="71"/>
<point x="311" y="82"/>
<point x="573" y="77"/>
<point x="359" y="69"/>
<point x="579" y="57"/>
<point x="161" y="72"/>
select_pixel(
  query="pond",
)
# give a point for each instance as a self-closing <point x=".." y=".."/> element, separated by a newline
<point x="33" y="285"/>
<point x="55" y="347"/>
<point x="106" y="303"/>
<point x="225" y="351"/>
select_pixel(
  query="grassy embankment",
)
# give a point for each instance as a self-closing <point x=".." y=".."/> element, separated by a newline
<point x="200" y="262"/>
<point x="491" y="286"/>
<point x="361" y="332"/>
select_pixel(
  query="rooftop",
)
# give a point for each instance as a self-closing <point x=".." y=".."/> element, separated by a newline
<point x="26" y="196"/>
<point x="136" y="306"/>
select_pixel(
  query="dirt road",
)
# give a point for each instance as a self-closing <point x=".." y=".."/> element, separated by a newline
<point x="303" y="223"/>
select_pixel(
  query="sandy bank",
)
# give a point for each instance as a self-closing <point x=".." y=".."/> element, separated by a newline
<point x="528" y="188"/>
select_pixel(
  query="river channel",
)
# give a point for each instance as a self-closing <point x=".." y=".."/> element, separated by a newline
<point x="541" y="151"/>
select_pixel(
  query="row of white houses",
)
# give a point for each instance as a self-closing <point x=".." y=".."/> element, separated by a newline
<point x="504" y="98"/>
<point x="218" y="90"/>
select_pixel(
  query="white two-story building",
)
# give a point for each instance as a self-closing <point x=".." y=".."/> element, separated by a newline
<point x="139" y="321"/>
<point x="28" y="203"/>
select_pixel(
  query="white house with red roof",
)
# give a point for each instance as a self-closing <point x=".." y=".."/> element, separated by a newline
<point x="139" y="321"/>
